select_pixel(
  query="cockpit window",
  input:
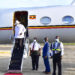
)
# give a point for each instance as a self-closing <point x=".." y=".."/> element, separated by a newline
<point x="45" y="20"/>
<point x="68" y="19"/>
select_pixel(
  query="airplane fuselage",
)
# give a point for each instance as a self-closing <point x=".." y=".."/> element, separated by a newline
<point x="42" y="22"/>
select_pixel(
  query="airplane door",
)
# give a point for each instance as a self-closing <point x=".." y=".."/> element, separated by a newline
<point x="22" y="16"/>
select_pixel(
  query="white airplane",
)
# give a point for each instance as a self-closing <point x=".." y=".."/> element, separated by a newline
<point x="41" y="22"/>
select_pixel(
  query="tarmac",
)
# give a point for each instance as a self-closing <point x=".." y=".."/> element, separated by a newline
<point x="68" y="61"/>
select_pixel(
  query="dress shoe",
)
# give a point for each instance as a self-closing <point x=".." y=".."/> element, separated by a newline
<point x="47" y="72"/>
<point x="33" y="69"/>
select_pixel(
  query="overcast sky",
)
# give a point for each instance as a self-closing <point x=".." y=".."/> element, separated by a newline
<point x="32" y="3"/>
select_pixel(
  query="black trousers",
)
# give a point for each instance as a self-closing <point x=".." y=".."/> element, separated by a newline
<point x="35" y="62"/>
<point x="19" y="43"/>
<point x="57" y="62"/>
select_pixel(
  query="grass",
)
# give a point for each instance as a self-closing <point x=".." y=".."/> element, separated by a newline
<point x="63" y="43"/>
<point x="69" y="43"/>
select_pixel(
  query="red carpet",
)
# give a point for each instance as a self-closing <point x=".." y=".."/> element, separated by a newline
<point x="13" y="74"/>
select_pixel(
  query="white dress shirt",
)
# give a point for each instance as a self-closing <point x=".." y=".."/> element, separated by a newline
<point x="36" y="46"/>
<point x="19" y="29"/>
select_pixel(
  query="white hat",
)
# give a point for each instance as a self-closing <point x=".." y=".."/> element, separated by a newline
<point x="17" y="22"/>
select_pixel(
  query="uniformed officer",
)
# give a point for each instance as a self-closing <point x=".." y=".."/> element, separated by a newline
<point x="46" y="55"/>
<point x="35" y="52"/>
<point x="57" y="52"/>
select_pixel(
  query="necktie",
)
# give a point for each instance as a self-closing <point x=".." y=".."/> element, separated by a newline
<point x="33" y="46"/>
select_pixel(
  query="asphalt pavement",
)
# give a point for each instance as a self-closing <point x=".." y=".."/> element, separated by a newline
<point x="68" y="61"/>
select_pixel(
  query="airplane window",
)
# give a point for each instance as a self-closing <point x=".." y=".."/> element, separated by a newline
<point x="68" y="19"/>
<point x="45" y="20"/>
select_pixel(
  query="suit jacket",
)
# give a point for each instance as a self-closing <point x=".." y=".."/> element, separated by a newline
<point x="46" y="49"/>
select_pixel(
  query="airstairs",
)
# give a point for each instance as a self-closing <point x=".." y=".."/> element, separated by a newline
<point x="17" y="56"/>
